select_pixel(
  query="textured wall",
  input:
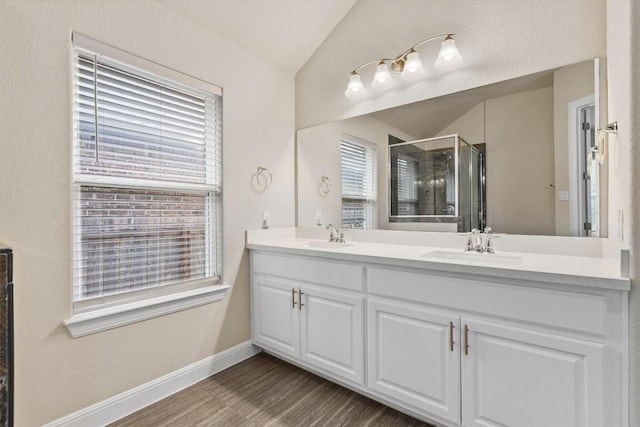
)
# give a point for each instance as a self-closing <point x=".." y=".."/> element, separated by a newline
<point x="500" y="39"/>
<point x="634" y="213"/>
<point x="623" y="55"/>
<point x="55" y="374"/>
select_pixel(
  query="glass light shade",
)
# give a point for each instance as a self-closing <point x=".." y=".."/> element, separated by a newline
<point x="382" y="78"/>
<point x="355" y="88"/>
<point x="449" y="58"/>
<point x="413" y="68"/>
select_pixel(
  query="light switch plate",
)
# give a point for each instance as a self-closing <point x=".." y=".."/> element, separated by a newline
<point x="266" y="219"/>
<point x="563" y="195"/>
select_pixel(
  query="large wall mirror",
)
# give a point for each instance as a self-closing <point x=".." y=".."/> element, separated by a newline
<point x="519" y="156"/>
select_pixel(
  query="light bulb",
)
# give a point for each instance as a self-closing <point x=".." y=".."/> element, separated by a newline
<point x="449" y="58"/>
<point x="382" y="78"/>
<point x="355" y="88"/>
<point x="413" y="68"/>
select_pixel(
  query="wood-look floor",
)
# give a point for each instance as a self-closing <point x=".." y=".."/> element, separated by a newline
<point x="265" y="391"/>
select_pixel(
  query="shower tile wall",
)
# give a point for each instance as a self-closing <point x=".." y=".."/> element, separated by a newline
<point x="436" y="173"/>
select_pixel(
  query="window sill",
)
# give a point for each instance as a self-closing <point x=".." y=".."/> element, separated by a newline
<point x="102" y="319"/>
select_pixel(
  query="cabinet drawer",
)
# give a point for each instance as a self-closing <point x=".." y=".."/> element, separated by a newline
<point x="336" y="274"/>
<point x="559" y="309"/>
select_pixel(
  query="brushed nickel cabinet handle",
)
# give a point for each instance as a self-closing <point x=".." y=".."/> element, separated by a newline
<point x="300" y="304"/>
<point x="451" y="342"/>
<point x="293" y="298"/>
<point x="466" y="339"/>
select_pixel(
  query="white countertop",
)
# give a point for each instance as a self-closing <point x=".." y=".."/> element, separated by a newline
<point x="564" y="269"/>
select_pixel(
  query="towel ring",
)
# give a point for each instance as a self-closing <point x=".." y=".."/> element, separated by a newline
<point x="263" y="177"/>
<point x="603" y="131"/>
<point x="324" y="186"/>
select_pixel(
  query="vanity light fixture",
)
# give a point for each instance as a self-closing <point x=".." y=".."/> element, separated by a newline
<point x="408" y="65"/>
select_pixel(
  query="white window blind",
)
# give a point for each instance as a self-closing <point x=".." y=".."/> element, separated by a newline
<point x="147" y="181"/>
<point x="358" y="184"/>
<point x="407" y="185"/>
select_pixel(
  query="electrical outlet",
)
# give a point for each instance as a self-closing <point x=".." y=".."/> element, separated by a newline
<point x="318" y="218"/>
<point x="563" y="195"/>
<point x="266" y="219"/>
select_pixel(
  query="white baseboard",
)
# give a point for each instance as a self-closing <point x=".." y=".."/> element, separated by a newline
<point x="119" y="406"/>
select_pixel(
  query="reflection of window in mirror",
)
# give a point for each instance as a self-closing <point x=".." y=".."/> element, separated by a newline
<point x="407" y="168"/>
<point x="358" y="163"/>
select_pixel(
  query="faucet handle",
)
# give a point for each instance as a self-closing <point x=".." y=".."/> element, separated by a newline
<point x="489" y="244"/>
<point x="470" y="242"/>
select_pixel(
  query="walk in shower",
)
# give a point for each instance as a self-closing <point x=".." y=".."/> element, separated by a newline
<point x="438" y="179"/>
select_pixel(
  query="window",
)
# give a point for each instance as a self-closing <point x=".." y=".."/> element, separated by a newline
<point x="358" y="183"/>
<point x="407" y="185"/>
<point x="146" y="179"/>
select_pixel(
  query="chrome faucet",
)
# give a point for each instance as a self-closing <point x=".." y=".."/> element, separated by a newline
<point x="472" y="240"/>
<point x="480" y="242"/>
<point x="335" y="235"/>
<point x="487" y="246"/>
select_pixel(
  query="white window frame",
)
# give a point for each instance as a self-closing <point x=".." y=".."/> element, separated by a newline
<point x="121" y="309"/>
<point x="372" y="221"/>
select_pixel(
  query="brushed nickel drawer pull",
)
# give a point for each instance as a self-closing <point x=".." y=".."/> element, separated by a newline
<point x="451" y="342"/>
<point x="293" y="298"/>
<point x="300" y="304"/>
<point x="466" y="339"/>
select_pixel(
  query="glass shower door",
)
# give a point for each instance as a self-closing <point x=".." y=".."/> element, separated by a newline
<point x="471" y="181"/>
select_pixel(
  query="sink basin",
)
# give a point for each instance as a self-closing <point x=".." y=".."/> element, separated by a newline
<point x="325" y="245"/>
<point x="474" y="257"/>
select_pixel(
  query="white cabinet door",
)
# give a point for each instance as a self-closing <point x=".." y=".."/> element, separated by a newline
<point x="332" y="332"/>
<point x="520" y="377"/>
<point x="276" y="321"/>
<point x="414" y="357"/>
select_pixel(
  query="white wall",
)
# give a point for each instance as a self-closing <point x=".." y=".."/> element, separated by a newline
<point x="518" y="131"/>
<point x="55" y="374"/>
<point x="318" y="154"/>
<point x="499" y="39"/>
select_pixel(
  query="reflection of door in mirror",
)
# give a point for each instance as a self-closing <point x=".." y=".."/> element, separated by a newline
<point x="584" y="170"/>
<point x="588" y="172"/>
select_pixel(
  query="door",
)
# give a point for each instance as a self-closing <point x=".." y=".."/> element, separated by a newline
<point x="332" y="333"/>
<point x="276" y="321"/>
<point x="584" y="169"/>
<point x="589" y="172"/>
<point x="414" y="357"/>
<point x="520" y="377"/>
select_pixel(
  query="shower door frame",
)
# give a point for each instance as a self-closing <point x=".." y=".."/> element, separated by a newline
<point x="457" y="169"/>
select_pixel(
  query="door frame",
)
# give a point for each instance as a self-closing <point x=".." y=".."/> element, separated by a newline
<point x="576" y="196"/>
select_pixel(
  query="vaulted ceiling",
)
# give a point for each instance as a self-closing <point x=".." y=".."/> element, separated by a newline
<point x="281" y="32"/>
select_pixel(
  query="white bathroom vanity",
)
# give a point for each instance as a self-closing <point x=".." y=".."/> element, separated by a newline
<point x="447" y="336"/>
